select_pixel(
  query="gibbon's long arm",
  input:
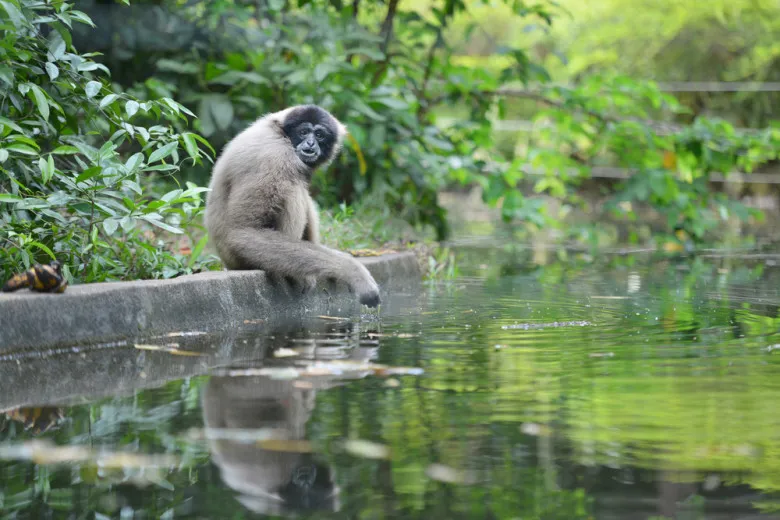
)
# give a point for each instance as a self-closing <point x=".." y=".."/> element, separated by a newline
<point x="277" y="253"/>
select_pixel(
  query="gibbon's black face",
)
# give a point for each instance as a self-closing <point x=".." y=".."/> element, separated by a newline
<point x="312" y="132"/>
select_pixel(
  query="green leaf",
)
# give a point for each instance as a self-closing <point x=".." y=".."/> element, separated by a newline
<point x="92" y="89"/>
<point x="82" y="17"/>
<point x="160" y="224"/>
<point x="65" y="150"/>
<point x="131" y="107"/>
<point x="7" y="197"/>
<point x="163" y="152"/>
<point x="178" y="66"/>
<point x="41" y="102"/>
<point x="191" y="145"/>
<point x="395" y="103"/>
<point x="7" y="75"/>
<point x="52" y="70"/>
<point x="7" y="122"/>
<point x="47" y="169"/>
<point x="110" y="225"/>
<point x="16" y="16"/>
<point x="322" y="70"/>
<point x="43" y="248"/>
<point x="134" y="162"/>
<point x="22" y="148"/>
<point x="197" y="250"/>
<point x="221" y="110"/>
<point x="127" y="223"/>
<point x="89" y="173"/>
<point x="23" y="139"/>
<point x="3" y="155"/>
<point x="57" y="46"/>
<point x="364" y="109"/>
<point x="108" y="100"/>
<point x="204" y="142"/>
<point x="374" y="54"/>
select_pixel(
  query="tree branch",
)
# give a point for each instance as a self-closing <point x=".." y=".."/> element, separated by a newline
<point x="426" y="103"/>
<point x="387" y="25"/>
<point x="355" y="11"/>
<point x="387" y="33"/>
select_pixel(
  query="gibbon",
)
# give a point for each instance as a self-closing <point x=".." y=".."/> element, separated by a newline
<point x="259" y="212"/>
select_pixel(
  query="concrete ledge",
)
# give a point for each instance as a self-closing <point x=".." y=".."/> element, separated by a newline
<point x="211" y="301"/>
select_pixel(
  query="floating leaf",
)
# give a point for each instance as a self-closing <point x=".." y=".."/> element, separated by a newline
<point x="285" y="352"/>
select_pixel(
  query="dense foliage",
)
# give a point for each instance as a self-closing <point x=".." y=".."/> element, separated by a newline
<point x="615" y="122"/>
<point x="378" y="67"/>
<point x="391" y="70"/>
<point x="80" y="161"/>
<point x="88" y="165"/>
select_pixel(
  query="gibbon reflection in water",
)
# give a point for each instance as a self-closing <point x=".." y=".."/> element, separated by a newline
<point x="268" y="481"/>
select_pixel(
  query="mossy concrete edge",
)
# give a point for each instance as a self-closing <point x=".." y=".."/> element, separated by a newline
<point x="213" y="301"/>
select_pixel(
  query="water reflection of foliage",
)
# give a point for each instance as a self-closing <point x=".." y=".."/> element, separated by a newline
<point x="676" y="375"/>
<point x="675" y="379"/>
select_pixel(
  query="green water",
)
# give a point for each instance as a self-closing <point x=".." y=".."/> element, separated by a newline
<point x="631" y="387"/>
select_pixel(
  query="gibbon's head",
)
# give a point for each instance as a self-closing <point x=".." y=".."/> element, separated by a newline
<point x="314" y="133"/>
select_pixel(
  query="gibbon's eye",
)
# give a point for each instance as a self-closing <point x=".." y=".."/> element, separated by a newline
<point x="320" y="135"/>
<point x="302" y="132"/>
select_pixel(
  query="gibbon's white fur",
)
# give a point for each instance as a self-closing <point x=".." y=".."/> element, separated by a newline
<point x="259" y="212"/>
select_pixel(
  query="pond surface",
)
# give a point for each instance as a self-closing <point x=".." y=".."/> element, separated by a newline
<point x="630" y="387"/>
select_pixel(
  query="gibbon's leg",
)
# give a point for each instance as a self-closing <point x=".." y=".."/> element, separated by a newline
<point x="280" y="255"/>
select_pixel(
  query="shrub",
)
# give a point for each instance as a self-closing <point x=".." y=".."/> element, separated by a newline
<point x="81" y="163"/>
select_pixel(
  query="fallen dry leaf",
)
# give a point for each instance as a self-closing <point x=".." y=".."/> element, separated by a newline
<point x="371" y="252"/>
<point x="291" y="445"/>
<point x="170" y="349"/>
<point x="285" y="352"/>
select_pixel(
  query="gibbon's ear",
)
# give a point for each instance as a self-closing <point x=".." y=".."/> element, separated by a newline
<point x="277" y="118"/>
<point x="342" y="129"/>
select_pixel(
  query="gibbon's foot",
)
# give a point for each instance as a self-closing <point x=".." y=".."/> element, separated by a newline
<point x="303" y="285"/>
<point x="309" y="283"/>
